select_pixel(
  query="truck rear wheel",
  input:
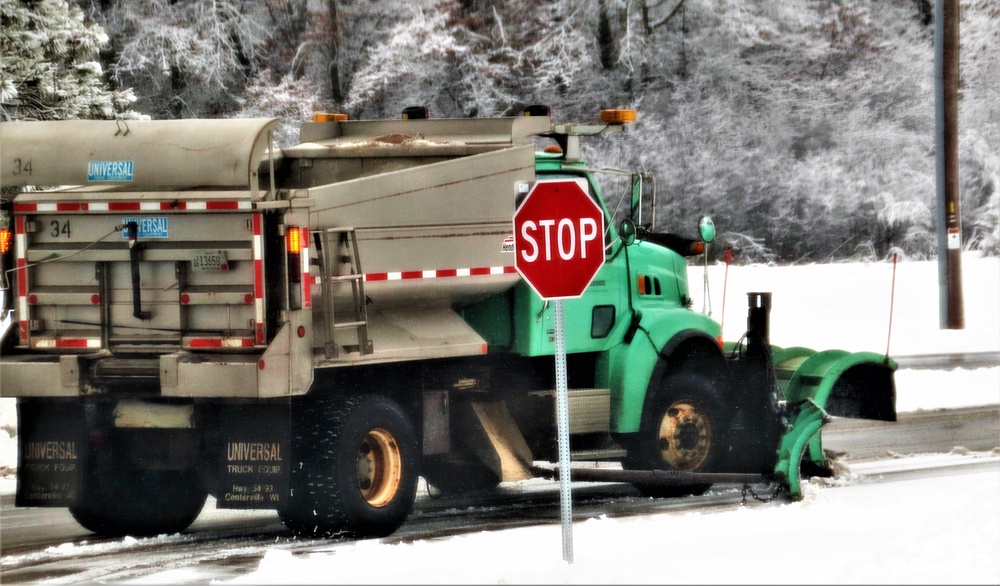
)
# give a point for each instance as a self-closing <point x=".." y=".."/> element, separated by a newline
<point x="118" y="500"/>
<point x="356" y="472"/>
<point x="682" y="429"/>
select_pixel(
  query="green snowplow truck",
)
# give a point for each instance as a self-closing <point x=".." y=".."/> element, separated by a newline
<point x="309" y="329"/>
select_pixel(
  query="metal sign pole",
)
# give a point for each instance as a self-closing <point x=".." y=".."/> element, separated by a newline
<point x="562" y="429"/>
<point x="552" y="219"/>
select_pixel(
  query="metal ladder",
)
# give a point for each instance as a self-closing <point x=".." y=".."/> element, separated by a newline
<point x="332" y="241"/>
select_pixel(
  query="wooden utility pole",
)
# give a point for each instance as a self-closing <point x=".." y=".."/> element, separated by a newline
<point x="949" y="226"/>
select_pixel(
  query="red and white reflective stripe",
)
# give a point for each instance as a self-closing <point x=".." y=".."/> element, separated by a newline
<point x="439" y="273"/>
<point x="20" y="242"/>
<point x="121" y="206"/>
<point x="304" y="282"/>
<point x="208" y="205"/>
<point x="66" y="343"/>
<point x="220" y="343"/>
<point x="258" y="277"/>
<point x="50" y="207"/>
<point x="133" y="206"/>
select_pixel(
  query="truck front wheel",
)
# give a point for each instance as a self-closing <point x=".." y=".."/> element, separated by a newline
<point x="356" y="470"/>
<point x="681" y="429"/>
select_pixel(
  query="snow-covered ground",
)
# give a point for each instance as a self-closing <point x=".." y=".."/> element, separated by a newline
<point x="942" y="530"/>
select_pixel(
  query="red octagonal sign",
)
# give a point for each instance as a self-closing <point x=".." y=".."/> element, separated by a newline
<point x="558" y="238"/>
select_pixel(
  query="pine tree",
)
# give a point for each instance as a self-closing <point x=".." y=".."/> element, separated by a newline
<point x="49" y="68"/>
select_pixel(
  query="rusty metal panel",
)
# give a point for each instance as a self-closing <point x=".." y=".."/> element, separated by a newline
<point x="208" y="376"/>
<point x="589" y="410"/>
<point x="509" y="130"/>
<point x="437" y="428"/>
<point x="133" y="414"/>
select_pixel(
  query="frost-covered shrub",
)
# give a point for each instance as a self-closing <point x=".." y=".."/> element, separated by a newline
<point x="49" y="68"/>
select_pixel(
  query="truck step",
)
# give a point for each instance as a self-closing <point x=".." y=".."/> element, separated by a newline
<point x="352" y="277"/>
<point x="108" y="369"/>
<point x="589" y="409"/>
<point x="599" y="454"/>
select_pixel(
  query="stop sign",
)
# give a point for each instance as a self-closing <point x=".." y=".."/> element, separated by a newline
<point x="558" y="238"/>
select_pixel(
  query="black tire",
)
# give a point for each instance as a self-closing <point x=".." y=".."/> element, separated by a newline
<point x="355" y="469"/>
<point x="683" y="428"/>
<point x="117" y="499"/>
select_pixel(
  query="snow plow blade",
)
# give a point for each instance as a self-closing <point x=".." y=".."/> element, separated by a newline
<point x="821" y="385"/>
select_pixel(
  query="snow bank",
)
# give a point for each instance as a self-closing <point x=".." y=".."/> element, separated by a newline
<point x="928" y="531"/>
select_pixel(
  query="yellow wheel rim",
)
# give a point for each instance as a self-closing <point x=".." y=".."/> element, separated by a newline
<point x="685" y="437"/>
<point x="380" y="467"/>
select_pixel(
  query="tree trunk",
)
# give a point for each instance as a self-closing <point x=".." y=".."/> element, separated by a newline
<point x="605" y="40"/>
<point x="334" y="68"/>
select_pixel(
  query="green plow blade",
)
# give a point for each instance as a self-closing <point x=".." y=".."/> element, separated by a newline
<point x="820" y="385"/>
<point x="802" y="433"/>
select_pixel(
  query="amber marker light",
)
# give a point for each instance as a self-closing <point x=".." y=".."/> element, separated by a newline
<point x="617" y="116"/>
<point x="329" y="117"/>
<point x="293" y="241"/>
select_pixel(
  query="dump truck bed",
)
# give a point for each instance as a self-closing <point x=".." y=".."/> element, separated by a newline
<point x="428" y="204"/>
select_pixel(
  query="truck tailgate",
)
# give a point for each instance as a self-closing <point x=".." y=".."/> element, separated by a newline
<point x="133" y="273"/>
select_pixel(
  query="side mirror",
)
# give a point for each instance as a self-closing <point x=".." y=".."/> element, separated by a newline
<point x="627" y="232"/>
<point x="706" y="227"/>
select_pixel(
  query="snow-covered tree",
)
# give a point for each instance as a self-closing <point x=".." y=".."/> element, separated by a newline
<point x="979" y="125"/>
<point x="804" y="128"/>
<point x="49" y="67"/>
<point x="416" y="66"/>
<point x="462" y="62"/>
<point x="336" y="38"/>
<point x="291" y="100"/>
<point x="186" y="58"/>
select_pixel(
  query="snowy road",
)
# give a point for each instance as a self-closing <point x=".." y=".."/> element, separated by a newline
<point x="46" y="544"/>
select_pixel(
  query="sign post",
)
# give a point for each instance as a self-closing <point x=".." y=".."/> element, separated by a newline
<point x="562" y="431"/>
<point x="559" y="248"/>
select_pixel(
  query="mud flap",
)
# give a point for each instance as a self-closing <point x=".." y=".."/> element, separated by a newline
<point x="820" y="385"/>
<point x="490" y="431"/>
<point x="51" y="453"/>
<point x="255" y="457"/>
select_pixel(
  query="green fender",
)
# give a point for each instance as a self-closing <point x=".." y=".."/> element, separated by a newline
<point x="821" y="385"/>
<point x="631" y="367"/>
